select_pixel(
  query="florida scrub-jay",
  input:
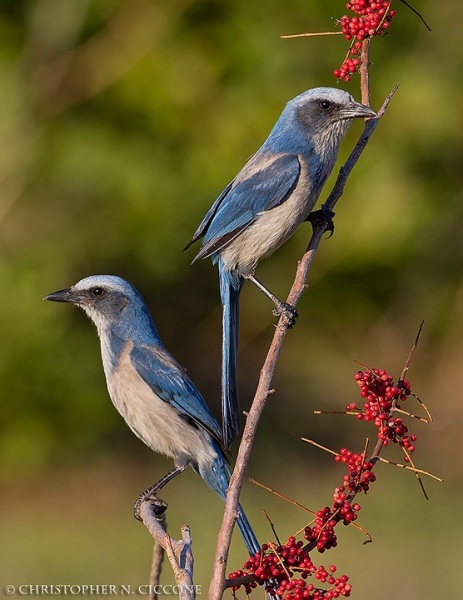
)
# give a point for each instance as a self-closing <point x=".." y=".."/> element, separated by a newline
<point x="150" y="390"/>
<point x="264" y="204"/>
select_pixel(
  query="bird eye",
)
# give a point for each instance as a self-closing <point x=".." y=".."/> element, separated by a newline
<point x="97" y="291"/>
<point x="325" y="104"/>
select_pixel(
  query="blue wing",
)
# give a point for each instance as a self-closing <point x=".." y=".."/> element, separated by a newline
<point x="168" y="380"/>
<point x="208" y="218"/>
<point x="263" y="183"/>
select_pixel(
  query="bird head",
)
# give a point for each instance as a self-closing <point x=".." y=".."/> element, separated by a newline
<point x="322" y="107"/>
<point x="316" y="120"/>
<point x="108" y="300"/>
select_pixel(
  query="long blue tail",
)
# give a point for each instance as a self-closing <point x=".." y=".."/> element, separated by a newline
<point x="230" y="287"/>
<point x="217" y="478"/>
<point x="245" y="528"/>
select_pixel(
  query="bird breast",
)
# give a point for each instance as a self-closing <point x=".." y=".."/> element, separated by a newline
<point x="158" y="424"/>
<point x="271" y="228"/>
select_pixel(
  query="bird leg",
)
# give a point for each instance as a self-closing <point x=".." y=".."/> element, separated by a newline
<point x="281" y="308"/>
<point x="322" y="218"/>
<point x="151" y="494"/>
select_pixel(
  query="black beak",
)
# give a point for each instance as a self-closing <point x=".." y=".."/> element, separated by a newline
<point x="66" y="295"/>
<point x="359" y="110"/>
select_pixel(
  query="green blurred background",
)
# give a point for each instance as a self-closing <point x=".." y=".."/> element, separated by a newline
<point x="120" y="122"/>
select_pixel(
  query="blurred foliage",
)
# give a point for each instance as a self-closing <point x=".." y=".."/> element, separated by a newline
<point x="120" y="122"/>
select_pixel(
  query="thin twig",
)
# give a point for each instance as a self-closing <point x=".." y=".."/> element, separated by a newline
<point x="272" y="547"/>
<point x="419" y="15"/>
<point x="299" y="35"/>
<point x="380" y="443"/>
<point x="178" y="552"/>
<point x="366" y="533"/>
<point x="282" y="496"/>
<point x="156" y="562"/>
<point x="416" y="472"/>
<point x="357" y="362"/>
<point x="407" y="366"/>
<point x="410" y="468"/>
<point x="272" y="526"/>
<point x="317" y="445"/>
<point x="423" y="406"/>
<point x="337" y="412"/>
<point x="365" y="450"/>
<point x="298" y="505"/>
<point x="237" y="581"/>
<point x="309" y="524"/>
<point x="411" y="353"/>
<point x="411" y="415"/>
<point x="346" y="170"/>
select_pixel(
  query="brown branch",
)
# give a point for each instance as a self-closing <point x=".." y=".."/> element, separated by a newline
<point x="423" y="406"/>
<point x="317" y="445"/>
<point x="237" y="581"/>
<point x="272" y="526"/>
<point x="346" y="170"/>
<point x="353" y="413"/>
<point x="380" y="443"/>
<point x="156" y="566"/>
<point x="409" y="468"/>
<point x="264" y="387"/>
<point x="411" y="353"/>
<point x="178" y="552"/>
<point x="412" y="416"/>
<point x="419" y="15"/>
<point x="365" y="72"/>
<point x="282" y="496"/>
<point x="316" y="34"/>
<point x="273" y="549"/>
<point x="416" y="472"/>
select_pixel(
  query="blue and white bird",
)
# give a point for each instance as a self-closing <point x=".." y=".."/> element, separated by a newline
<point x="262" y="207"/>
<point x="150" y="389"/>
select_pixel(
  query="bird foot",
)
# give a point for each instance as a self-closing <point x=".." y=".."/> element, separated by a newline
<point x="159" y="506"/>
<point x="322" y="218"/>
<point x="287" y="311"/>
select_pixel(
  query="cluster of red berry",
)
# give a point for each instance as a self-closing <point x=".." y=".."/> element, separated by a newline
<point x="372" y="18"/>
<point x="360" y="470"/>
<point x="286" y="568"/>
<point x="321" y="535"/>
<point x="381" y="395"/>
<point x="343" y="510"/>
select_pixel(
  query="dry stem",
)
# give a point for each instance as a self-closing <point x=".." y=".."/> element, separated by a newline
<point x="316" y="34"/>
<point x="282" y="496"/>
<point x="178" y="552"/>
<point x="156" y="561"/>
